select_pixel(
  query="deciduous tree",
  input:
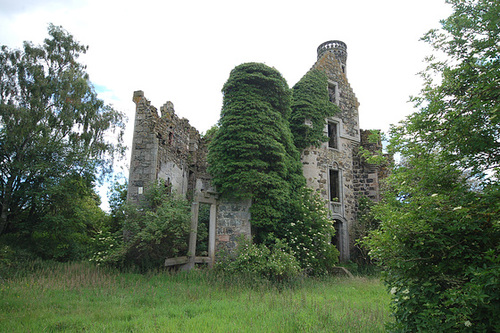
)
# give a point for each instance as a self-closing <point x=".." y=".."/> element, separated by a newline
<point x="439" y="238"/>
<point x="52" y="126"/>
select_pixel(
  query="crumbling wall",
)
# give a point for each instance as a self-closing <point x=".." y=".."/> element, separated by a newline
<point x="167" y="147"/>
<point x="233" y="223"/>
<point x="144" y="149"/>
<point x="367" y="176"/>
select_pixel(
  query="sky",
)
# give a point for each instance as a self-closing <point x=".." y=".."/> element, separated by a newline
<point x="183" y="51"/>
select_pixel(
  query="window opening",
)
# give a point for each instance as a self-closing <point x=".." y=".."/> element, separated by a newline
<point x="334" y="186"/>
<point x="333" y="135"/>
<point x="168" y="185"/>
<point x="333" y="92"/>
<point x="337" y="239"/>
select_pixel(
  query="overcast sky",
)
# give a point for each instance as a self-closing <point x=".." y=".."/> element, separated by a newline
<point x="183" y="51"/>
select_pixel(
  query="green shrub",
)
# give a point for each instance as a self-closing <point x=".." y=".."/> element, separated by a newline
<point x="259" y="262"/>
<point x="439" y="244"/>
<point x="104" y="244"/>
<point x="310" y="232"/>
<point x="367" y="222"/>
<point x="153" y="231"/>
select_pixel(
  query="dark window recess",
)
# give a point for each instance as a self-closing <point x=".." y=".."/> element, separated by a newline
<point x="332" y="135"/>
<point x="168" y="185"/>
<point x="336" y="238"/>
<point x="334" y="186"/>
<point x="332" y="93"/>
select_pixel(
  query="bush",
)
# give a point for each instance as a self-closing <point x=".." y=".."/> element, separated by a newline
<point x="440" y="252"/>
<point x="259" y="262"/>
<point x="309" y="234"/>
<point x="153" y="231"/>
<point x="104" y="244"/>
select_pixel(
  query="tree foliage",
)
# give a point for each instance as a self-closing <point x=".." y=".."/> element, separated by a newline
<point x="66" y="225"/>
<point x="53" y="128"/>
<point x="460" y="112"/>
<point x="310" y="108"/>
<point x="439" y="238"/>
<point x="154" y="231"/>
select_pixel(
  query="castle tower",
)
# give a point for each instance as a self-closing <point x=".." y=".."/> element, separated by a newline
<point x="329" y="169"/>
<point x="163" y="147"/>
<point x="338" y="48"/>
<point x="144" y="151"/>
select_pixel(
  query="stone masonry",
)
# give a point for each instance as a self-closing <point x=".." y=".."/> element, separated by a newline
<point x="168" y="147"/>
<point x="335" y="169"/>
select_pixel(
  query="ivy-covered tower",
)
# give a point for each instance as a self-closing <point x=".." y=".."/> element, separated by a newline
<point x="334" y="169"/>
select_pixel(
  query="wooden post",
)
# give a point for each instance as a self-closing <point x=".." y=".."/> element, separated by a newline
<point x="192" y="237"/>
<point x="211" y="233"/>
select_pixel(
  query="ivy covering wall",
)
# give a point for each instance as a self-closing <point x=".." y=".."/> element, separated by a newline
<point x="253" y="155"/>
<point x="310" y="108"/>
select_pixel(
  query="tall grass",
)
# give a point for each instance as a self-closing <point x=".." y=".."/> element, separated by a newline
<point x="76" y="297"/>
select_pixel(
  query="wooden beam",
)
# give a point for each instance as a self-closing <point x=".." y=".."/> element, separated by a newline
<point x="185" y="260"/>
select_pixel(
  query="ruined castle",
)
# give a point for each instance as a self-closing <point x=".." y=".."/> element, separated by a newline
<point x="168" y="147"/>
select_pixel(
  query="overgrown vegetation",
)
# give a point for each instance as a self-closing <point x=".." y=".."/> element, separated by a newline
<point x="439" y="238"/>
<point x="56" y="138"/>
<point x="253" y="155"/>
<point x="70" y="297"/>
<point x="367" y="223"/>
<point x="310" y="108"/>
<point x="260" y="263"/>
<point x="309" y="233"/>
<point x="149" y="233"/>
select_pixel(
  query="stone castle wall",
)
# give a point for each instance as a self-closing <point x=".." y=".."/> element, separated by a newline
<point x="165" y="147"/>
<point x="318" y="163"/>
<point x="233" y="222"/>
<point x="168" y="147"/>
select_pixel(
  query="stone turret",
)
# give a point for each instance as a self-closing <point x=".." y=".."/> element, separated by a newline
<point x="338" y="48"/>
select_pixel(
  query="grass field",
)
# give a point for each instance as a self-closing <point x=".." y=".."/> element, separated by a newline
<point x="80" y="297"/>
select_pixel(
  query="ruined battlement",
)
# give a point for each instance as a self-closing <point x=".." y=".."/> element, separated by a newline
<point x="165" y="147"/>
<point x="337" y="47"/>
